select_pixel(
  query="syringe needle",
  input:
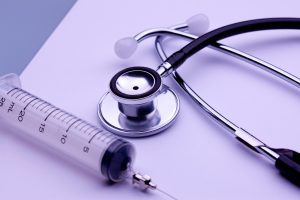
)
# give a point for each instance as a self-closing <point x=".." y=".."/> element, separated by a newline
<point x="165" y="193"/>
<point x="145" y="182"/>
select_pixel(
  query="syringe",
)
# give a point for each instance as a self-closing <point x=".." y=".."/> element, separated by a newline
<point x="96" y="148"/>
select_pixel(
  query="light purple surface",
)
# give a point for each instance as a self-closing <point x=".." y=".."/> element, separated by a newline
<point x="194" y="159"/>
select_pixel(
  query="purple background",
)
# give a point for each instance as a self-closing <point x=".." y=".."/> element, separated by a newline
<point x="194" y="159"/>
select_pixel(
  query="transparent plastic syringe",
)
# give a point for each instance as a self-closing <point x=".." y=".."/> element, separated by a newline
<point x="90" y="145"/>
<point x="94" y="147"/>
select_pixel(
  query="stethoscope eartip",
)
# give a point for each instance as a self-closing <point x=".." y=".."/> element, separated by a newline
<point x="125" y="47"/>
<point x="198" y="24"/>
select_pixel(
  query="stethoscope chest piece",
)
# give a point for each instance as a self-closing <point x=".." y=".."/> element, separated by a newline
<point x="138" y="104"/>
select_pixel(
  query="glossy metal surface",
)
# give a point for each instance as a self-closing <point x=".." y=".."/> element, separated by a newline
<point x="165" y="69"/>
<point x="177" y="31"/>
<point x="163" y="31"/>
<point x="167" y="108"/>
<point x="135" y="82"/>
<point x="242" y="135"/>
<point x="144" y="110"/>
<point x="280" y="73"/>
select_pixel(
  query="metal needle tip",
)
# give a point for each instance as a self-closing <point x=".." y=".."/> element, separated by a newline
<point x="145" y="182"/>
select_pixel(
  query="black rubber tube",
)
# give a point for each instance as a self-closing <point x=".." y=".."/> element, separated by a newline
<point x="288" y="164"/>
<point x="209" y="38"/>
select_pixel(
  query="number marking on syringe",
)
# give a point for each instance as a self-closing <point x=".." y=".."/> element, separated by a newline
<point x="10" y="108"/>
<point x="29" y="96"/>
<point x="2" y="101"/>
<point x="57" y="114"/>
<point x="46" y="122"/>
<point x="42" y="128"/>
<point x="21" y="115"/>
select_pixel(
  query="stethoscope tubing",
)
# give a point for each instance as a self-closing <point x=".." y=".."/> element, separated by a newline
<point x="251" y="141"/>
<point x="287" y="161"/>
<point x="278" y="72"/>
<point x="177" y="58"/>
<point x="177" y="31"/>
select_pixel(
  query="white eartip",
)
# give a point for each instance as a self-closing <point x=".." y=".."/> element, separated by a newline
<point x="198" y="24"/>
<point x="124" y="48"/>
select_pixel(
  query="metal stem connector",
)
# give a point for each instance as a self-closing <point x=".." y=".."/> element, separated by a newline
<point x="144" y="181"/>
<point x="165" y="69"/>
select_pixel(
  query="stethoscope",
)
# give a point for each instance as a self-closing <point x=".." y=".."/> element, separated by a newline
<point x="138" y="104"/>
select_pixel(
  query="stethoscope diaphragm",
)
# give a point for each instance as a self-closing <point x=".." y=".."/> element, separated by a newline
<point x="138" y="104"/>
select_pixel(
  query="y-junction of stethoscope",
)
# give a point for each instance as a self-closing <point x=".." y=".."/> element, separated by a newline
<point x="138" y="107"/>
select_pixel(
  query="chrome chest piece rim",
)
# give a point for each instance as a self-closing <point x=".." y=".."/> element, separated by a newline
<point x="138" y="104"/>
<point x="167" y="108"/>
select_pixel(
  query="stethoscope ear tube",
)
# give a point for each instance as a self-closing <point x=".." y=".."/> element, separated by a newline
<point x="285" y="160"/>
<point x="176" y="59"/>
<point x="288" y="164"/>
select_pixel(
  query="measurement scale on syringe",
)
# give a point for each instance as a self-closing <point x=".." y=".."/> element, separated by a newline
<point x="96" y="148"/>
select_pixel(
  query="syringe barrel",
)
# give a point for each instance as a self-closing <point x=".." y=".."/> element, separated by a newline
<point x="94" y="147"/>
